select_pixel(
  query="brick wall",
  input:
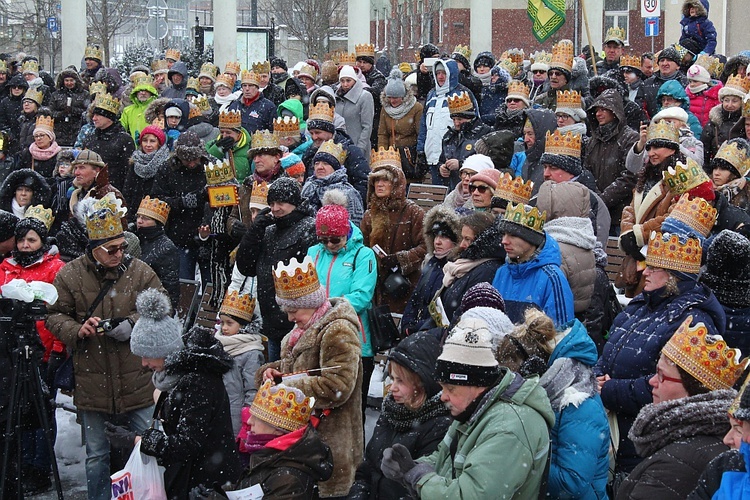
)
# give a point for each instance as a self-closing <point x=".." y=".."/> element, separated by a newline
<point x="639" y="42"/>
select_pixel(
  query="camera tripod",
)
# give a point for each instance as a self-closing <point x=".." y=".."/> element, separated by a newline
<point x="26" y="403"/>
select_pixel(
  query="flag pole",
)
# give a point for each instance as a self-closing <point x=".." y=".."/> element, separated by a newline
<point x="588" y="35"/>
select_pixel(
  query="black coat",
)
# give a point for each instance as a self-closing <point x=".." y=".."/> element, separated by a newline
<point x="158" y="251"/>
<point x="459" y="144"/>
<point x="650" y="88"/>
<point x="68" y="118"/>
<point x="274" y="93"/>
<point x="172" y="182"/>
<point x="266" y="242"/>
<point x="26" y="125"/>
<point x="46" y="168"/>
<point x="417" y="309"/>
<point x="71" y="239"/>
<point x="708" y="483"/>
<point x="376" y="81"/>
<point x="115" y="146"/>
<point x="197" y="445"/>
<point x="10" y="109"/>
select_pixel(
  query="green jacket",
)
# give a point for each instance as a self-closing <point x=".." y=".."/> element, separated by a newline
<point x="295" y="107"/>
<point x="133" y="117"/>
<point x="502" y="449"/>
<point x="239" y="151"/>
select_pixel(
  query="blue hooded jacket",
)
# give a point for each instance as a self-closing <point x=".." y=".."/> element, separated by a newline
<point x="579" y="440"/>
<point x="674" y="89"/>
<point x="538" y="282"/>
<point x="699" y="28"/>
<point x="736" y="485"/>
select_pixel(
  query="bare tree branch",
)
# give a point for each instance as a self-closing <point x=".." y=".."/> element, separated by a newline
<point x="309" y="20"/>
<point x="109" y="18"/>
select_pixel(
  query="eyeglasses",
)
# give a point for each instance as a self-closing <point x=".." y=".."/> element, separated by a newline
<point x="663" y="378"/>
<point x="482" y="189"/>
<point x="555" y="73"/>
<point x="117" y="249"/>
<point x="466" y="173"/>
<point x="538" y="71"/>
<point x="39" y="136"/>
<point x="333" y="240"/>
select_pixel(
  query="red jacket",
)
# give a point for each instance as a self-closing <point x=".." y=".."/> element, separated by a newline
<point x="701" y="104"/>
<point x="43" y="270"/>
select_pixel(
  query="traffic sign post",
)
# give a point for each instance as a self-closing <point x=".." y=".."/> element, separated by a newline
<point x="52" y="25"/>
<point x="650" y="8"/>
<point x="652" y="26"/>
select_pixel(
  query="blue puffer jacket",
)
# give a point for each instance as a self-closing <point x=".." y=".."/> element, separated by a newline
<point x="580" y="438"/>
<point x="493" y="96"/>
<point x="343" y="277"/>
<point x="635" y="343"/>
<point x="674" y="89"/>
<point x="417" y="309"/>
<point x="699" y="28"/>
<point x="538" y="282"/>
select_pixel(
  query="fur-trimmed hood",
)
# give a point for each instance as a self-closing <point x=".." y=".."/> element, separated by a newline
<point x="600" y="83"/>
<point x="439" y="213"/>
<point x="701" y="7"/>
<point x="731" y="66"/>
<point x="69" y="73"/>
<point x="39" y="186"/>
<point x="398" y="194"/>
<point x="156" y="108"/>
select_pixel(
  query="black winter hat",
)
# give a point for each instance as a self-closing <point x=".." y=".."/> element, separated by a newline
<point x="428" y="50"/>
<point x="458" y="57"/>
<point x="18" y="80"/>
<point x="285" y="190"/>
<point x="728" y="269"/>
<point x="277" y="62"/>
<point x="499" y="146"/>
<point x="8" y="223"/>
<point x="742" y="412"/>
<point x="484" y="59"/>
<point x="671" y="54"/>
<point x="28" y="223"/>
<point x="568" y="163"/>
<point x="419" y="352"/>
<point x="189" y="147"/>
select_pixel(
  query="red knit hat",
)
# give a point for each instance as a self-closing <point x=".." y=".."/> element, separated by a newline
<point x="156" y="132"/>
<point x="332" y="220"/>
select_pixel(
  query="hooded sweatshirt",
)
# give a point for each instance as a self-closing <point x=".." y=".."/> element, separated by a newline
<point x="542" y="121"/>
<point x="177" y="90"/>
<point x="133" y="117"/>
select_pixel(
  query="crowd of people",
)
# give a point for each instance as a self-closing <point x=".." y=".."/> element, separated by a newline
<point x="520" y="371"/>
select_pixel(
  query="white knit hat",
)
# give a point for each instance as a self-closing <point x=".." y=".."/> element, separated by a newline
<point x="347" y="72"/>
<point x="468" y="357"/>
<point x="699" y="74"/>
<point x="674" y="112"/>
<point x="477" y="163"/>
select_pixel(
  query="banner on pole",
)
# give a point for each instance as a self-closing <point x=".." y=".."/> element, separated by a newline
<point x="547" y="16"/>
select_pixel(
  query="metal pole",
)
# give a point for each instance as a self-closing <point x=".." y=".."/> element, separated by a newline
<point x="588" y="35"/>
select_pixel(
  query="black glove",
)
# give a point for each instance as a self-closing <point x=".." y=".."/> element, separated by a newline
<point x="630" y="245"/>
<point x="190" y="200"/>
<point x="200" y="492"/>
<point x="390" y="261"/>
<point x="119" y="437"/>
<point x="56" y="359"/>
<point x="225" y="143"/>
<point x="238" y="230"/>
<point x="264" y="219"/>
<point x="396" y="462"/>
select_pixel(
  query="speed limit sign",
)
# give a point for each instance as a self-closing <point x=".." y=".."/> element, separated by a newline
<point x="650" y="8"/>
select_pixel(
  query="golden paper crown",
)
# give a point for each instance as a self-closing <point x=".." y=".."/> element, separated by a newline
<point x="384" y="156"/>
<point x="173" y="54"/>
<point x="93" y="52"/>
<point x="232" y="67"/>
<point x="159" y="65"/>
<point x="526" y="216"/>
<point x="632" y="60"/>
<point x="509" y="66"/>
<point x="219" y="172"/>
<point x="562" y="55"/>
<point x="696" y="213"/>
<point x="738" y="82"/>
<point x="239" y="306"/>
<point x="261" y="67"/>
<point x="45" y="123"/>
<point x="31" y="66"/>
<point x="464" y="50"/>
<point x="194" y="112"/>
<point x="40" y="213"/>
<point x="208" y="69"/>
<point x="682" y="178"/>
<point x="517" y="87"/>
<point x="333" y="149"/>
<point x="321" y="111"/>
<point x="459" y="103"/>
<point x="513" y="189"/>
<point x="35" y="95"/>
<point x="97" y="88"/>
<point x="193" y="84"/>
<point x="568" y="144"/>
<point x="282" y="406"/>
<point x="141" y="80"/>
<point x="515" y="55"/>
<point x="104" y="220"/>
<point x="541" y="57"/>
<point x="264" y="139"/>
<point x="107" y="103"/>
<point x="3" y="65"/>
<point x="569" y="99"/>
<point x="135" y="75"/>
<point x="666" y="251"/>
<point x="663" y="131"/>
<point x="286" y="126"/>
<point x="249" y="77"/>
<point x="616" y="33"/>
<point x="226" y="79"/>
<point x="308" y="70"/>
<point x="259" y="194"/>
<point x="746" y="107"/>
<point x="736" y="156"/>
<point x="364" y="49"/>
<point x="230" y="119"/>
<point x="296" y="279"/>
<point x="706" y="357"/>
<point x="201" y="102"/>
<point x="347" y="58"/>
<point x="711" y="64"/>
<point x="154" y="208"/>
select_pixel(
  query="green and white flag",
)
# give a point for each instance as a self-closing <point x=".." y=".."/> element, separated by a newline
<point x="547" y="16"/>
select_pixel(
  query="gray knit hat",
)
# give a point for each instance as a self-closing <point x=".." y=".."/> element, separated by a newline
<point x="395" y="86"/>
<point x="155" y="334"/>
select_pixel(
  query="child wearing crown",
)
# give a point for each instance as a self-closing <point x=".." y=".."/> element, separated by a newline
<point x="723" y="117"/>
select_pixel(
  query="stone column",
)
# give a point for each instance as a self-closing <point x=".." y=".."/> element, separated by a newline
<point x="225" y="32"/>
<point x="480" y="26"/>
<point x="73" y="27"/>
<point x="358" y="13"/>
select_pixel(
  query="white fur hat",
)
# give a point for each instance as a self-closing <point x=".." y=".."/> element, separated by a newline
<point x="347" y="72"/>
<point x="674" y="112"/>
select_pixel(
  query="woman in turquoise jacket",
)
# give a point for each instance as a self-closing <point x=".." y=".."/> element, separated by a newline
<point x="346" y="268"/>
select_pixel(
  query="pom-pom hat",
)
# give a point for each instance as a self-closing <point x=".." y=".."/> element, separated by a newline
<point x="332" y="220"/>
<point x="467" y="358"/>
<point x="156" y="334"/>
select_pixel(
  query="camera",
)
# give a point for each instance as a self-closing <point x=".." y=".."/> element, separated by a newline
<point x="107" y="325"/>
<point x="18" y="324"/>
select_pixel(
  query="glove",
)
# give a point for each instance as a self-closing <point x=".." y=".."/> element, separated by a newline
<point x="200" y="492"/>
<point x="238" y="230"/>
<point x="56" y="359"/>
<point x="390" y="261"/>
<point x="630" y="245"/>
<point x="396" y="462"/>
<point x="264" y="219"/>
<point x="122" y="331"/>
<point x="416" y="473"/>
<point x="225" y="143"/>
<point x="119" y="437"/>
<point x="190" y="200"/>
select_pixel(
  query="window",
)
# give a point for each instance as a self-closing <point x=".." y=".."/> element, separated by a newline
<point x="616" y="15"/>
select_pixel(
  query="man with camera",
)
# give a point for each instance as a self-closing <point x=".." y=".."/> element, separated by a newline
<point x="93" y="316"/>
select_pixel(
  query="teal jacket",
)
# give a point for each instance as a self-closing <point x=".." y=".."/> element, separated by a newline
<point x="355" y="280"/>
<point x="502" y="449"/>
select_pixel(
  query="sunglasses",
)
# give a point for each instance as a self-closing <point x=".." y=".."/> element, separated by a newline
<point x="513" y="99"/>
<point x="114" y="250"/>
<point x="538" y="71"/>
<point x="555" y="73"/>
<point x="481" y="189"/>
<point x="333" y="240"/>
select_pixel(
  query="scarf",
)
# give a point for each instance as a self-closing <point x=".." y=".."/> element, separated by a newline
<point x="18" y="210"/>
<point x="295" y="335"/>
<point x="234" y="345"/>
<point x="44" y="154"/>
<point x="577" y="128"/>
<point x="25" y="259"/>
<point x="486" y="78"/>
<point x="268" y="177"/>
<point x="277" y="78"/>
<point x="697" y="88"/>
<point x="225" y="101"/>
<point x="606" y="131"/>
<point x="249" y="102"/>
<point x="401" y="418"/>
<point x="256" y="442"/>
<point x="442" y="254"/>
<point x="458" y="268"/>
<point x="402" y="109"/>
<point x="145" y="165"/>
<point x="567" y="382"/>
<point x="732" y="188"/>
<point x="164" y="382"/>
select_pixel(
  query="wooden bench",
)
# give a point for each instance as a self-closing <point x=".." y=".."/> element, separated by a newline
<point x="427" y="195"/>
<point x="189" y="302"/>
<point x="614" y="258"/>
<point x="206" y="314"/>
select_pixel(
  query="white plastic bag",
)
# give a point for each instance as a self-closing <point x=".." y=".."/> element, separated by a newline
<point x="142" y="478"/>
